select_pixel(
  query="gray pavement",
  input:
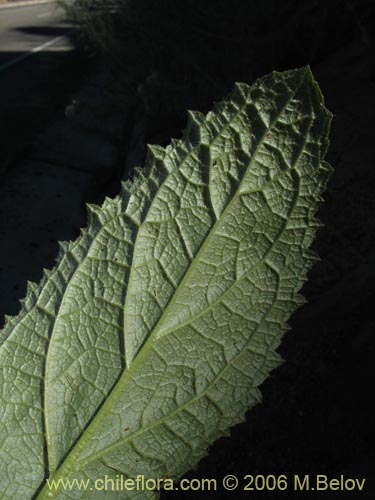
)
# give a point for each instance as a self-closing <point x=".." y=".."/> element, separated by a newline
<point x="25" y="29"/>
<point x="39" y="69"/>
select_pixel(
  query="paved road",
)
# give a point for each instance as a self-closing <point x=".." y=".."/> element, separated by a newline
<point x="39" y="68"/>
<point x="34" y="27"/>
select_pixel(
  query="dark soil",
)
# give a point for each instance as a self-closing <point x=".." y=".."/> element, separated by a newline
<point x="32" y="94"/>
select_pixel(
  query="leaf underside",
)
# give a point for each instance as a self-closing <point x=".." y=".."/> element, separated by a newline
<point x="151" y="335"/>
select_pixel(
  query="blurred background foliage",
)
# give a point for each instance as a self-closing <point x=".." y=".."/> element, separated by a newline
<point x="170" y="56"/>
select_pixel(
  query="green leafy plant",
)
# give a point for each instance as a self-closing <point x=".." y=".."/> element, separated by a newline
<point x="191" y="55"/>
<point x="150" y="337"/>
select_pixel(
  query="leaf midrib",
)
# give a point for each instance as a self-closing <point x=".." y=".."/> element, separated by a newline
<point x="158" y="327"/>
<point x="189" y="155"/>
<point x="74" y="454"/>
<point x="160" y="421"/>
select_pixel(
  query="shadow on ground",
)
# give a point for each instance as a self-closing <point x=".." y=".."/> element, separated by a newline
<point x="47" y="31"/>
<point x="32" y="92"/>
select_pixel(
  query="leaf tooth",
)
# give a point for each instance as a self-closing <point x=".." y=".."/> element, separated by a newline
<point x="239" y="419"/>
<point x="8" y="318"/>
<point x="154" y="153"/>
<point x="83" y="232"/>
<point x="312" y="256"/>
<point x="316" y="223"/>
<point x="242" y="89"/>
<point x="138" y="172"/>
<point x="227" y="432"/>
<point x="125" y="185"/>
<point x="127" y="189"/>
<point x="47" y="273"/>
<point x="107" y="201"/>
<point x="193" y="128"/>
<point x="277" y="359"/>
<point x="242" y="418"/>
<point x="137" y="180"/>
<point x="63" y="246"/>
<point x="196" y="116"/>
<point x="174" y="143"/>
<point x="156" y="150"/>
<point x="287" y="327"/>
<point x="93" y="208"/>
<point x="63" y="250"/>
<point x="31" y="287"/>
<point x="328" y="167"/>
<point x="300" y="300"/>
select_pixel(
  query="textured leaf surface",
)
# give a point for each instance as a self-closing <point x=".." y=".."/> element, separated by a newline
<point x="150" y="337"/>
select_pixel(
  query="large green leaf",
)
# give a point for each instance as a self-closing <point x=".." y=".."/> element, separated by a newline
<point x="150" y="337"/>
